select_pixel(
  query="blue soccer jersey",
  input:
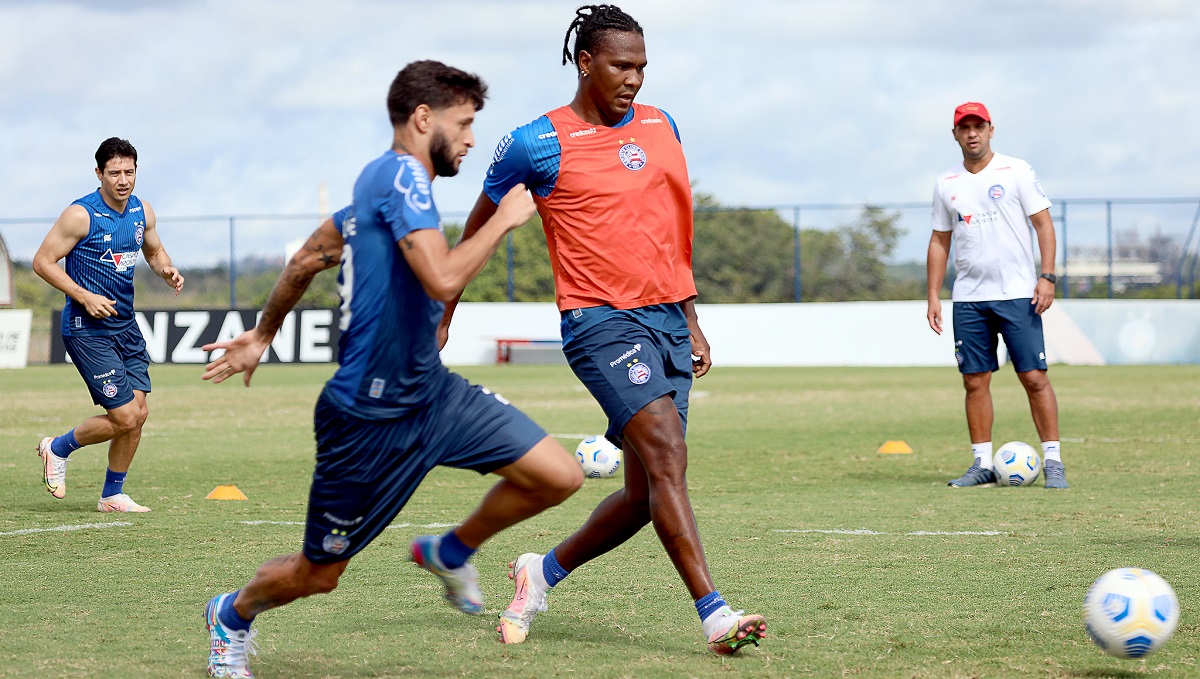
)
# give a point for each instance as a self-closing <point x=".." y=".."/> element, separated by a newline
<point x="103" y="263"/>
<point x="388" y="356"/>
<point x="531" y="155"/>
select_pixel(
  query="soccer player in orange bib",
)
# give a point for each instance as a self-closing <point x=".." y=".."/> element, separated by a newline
<point x="611" y="185"/>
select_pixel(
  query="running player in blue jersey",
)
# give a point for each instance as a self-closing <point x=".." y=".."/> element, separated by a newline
<point x="392" y="411"/>
<point x="102" y="236"/>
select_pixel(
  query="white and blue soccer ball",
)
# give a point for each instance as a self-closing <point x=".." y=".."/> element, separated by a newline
<point x="598" y="457"/>
<point x="1130" y="612"/>
<point x="1016" y="464"/>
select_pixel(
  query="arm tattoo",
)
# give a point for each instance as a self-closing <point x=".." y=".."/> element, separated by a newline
<point x="408" y="244"/>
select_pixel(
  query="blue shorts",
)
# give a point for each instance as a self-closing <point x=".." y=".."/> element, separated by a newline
<point x="368" y="469"/>
<point x="626" y="363"/>
<point x="977" y="324"/>
<point x="112" y="366"/>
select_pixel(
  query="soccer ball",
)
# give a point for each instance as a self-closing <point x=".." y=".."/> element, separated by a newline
<point x="1130" y="612"/>
<point x="599" y="458"/>
<point x="1016" y="464"/>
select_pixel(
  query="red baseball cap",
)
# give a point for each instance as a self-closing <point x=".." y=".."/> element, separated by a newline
<point x="971" y="108"/>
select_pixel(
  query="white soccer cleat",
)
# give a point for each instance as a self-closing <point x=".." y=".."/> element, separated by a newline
<point x="54" y="469"/>
<point x="119" y="503"/>
<point x="729" y="630"/>
<point x="229" y="650"/>
<point x="528" y="600"/>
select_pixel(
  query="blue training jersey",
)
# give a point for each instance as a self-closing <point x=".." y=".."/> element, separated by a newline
<point x="103" y="263"/>
<point x="388" y="357"/>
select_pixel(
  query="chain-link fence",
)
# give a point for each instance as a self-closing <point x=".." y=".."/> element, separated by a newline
<point x="1106" y="248"/>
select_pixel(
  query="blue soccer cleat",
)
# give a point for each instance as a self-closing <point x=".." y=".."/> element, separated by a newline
<point x="976" y="476"/>
<point x="1055" y="473"/>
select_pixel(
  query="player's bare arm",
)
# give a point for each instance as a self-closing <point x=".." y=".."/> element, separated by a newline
<point x="935" y="271"/>
<point x="70" y="228"/>
<point x="445" y="272"/>
<point x="321" y="251"/>
<point x="701" y="352"/>
<point x="156" y="255"/>
<point x="480" y="214"/>
<point x="1043" y="225"/>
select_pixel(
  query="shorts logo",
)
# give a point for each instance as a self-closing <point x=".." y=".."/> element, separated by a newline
<point x="377" y="385"/>
<point x="636" y="348"/>
<point x="109" y="389"/>
<point x="639" y="373"/>
<point x="632" y="156"/>
<point x="958" y="352"/>
<point x="336" y="542"/>
<point x="996" y="192"/>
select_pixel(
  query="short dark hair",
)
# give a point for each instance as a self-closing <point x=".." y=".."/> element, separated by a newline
<point x="434" y="84"/>
<point x="114" y="147"/>
<point x="590" y="24"/>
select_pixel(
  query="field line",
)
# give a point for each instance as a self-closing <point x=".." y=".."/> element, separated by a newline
<point x="63" y="529"/>
<point x="394" y="525"/>
<point x="865" y="531"/>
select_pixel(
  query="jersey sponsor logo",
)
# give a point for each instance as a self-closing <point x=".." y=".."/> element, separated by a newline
<point x="650" y="121"/>
<point x="583" y="133"/>
<point x="123" y="261"/>
<point x="135" y="209"/>
<point x="639" y="373"/>
<point x="502" y="150"/>
<point x="982" y="218"/>
<point x="632" y="156"/>
<point x="547" y="135"/>
<point x="996" y="192"/>
<point x="376" y="388"/>
<point x="138" y="233"/>
<point x="416" y="190"/>
<point x="107" y="238"/>
<point x="636" y="348"/>
<point x="105" y="215"/>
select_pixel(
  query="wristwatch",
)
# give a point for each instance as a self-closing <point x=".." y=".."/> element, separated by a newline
<point x="1050" y="277"/>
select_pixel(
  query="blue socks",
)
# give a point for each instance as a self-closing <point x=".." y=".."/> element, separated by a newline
<point x="113" y="482"/>
<point x="64" y="445"/>
<point x="229" y="617"/>
<point x="708" y="604"/>
<point x="452" y="552"/>
<point x="552" y="570"/>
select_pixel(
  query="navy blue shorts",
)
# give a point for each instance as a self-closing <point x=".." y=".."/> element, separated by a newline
<point x="368" y="469"/>
<point x="626" y="365"/>
<point x="977" y="324"/>
<point x="112" y="366"/>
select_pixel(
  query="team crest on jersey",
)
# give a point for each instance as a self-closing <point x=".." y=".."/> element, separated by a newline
<point x="639" y="373"/>
<point x="139" y="233"/>
<point x="996" y="192"/>
<point x="632" y="156"/>
<point x="123" y="261"/>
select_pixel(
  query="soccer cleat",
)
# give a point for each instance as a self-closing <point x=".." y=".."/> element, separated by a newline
<point x="227" y="649"/>
<point x="1055" y="473"/>
<point x="975" y="476"/>
<point x="119" y="503"/>
<point x="528" y="600"/>
<point x="54" y="469"/>
<point x="462" y="583"/>
<point x="734" y="630"/>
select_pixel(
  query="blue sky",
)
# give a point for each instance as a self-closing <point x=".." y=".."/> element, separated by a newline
<point x="248" y="106"/>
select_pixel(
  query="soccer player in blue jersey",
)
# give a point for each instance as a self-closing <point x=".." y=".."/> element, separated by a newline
<point x="102" y="236"/>
<point x="611" y="185"/>
<point x="392" y="411"/>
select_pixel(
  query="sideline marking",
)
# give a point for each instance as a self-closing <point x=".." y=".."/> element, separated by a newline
<point x="394" y="525"/>
<point x="573" y="436"/>
<point x="63" y="529"/>
<point x="865" y="531"/>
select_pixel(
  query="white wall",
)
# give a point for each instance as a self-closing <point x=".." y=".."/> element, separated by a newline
<point x="1092" y="332"/>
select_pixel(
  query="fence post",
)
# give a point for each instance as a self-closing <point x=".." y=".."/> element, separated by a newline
<point x="1066" y="279"/>
<point x="1108" y="222"/>
<point x="1183" y="257"/>
<point x="796" y="289"/>
<point x="232" y="268"/>
<point x="509" y="253"/>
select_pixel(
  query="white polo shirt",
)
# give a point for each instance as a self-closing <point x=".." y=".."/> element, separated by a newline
<point x="993" y="243"/>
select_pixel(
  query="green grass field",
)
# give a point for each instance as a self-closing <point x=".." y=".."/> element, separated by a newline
<point x="774" y="452"/>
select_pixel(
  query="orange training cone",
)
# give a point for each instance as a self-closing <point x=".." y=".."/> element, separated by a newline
<point x="895" y="448"/>
<point x="226" y="493"/>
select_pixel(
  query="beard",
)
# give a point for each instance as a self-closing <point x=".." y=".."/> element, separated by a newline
<point x="444" y="160"/>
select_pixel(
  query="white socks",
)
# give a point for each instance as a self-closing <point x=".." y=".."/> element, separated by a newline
<point x="983" y="454"/>
<point x="1051" y="451"/>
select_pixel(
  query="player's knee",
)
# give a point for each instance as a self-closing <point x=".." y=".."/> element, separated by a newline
<point x="667" y="469"/>
<point x="1034" y="380"/>
<point x="323" y="581"/>
<point x="977" y="381"/>
<point x="126" y="420"/>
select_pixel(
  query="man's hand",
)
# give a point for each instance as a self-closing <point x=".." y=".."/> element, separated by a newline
<point x="173" y="278"/>
<point x="1043" y="296"/>
<point x="516" y="207"/>
<point x="242" y="354"/>
<point x="98" y="306"/>
<point x="934" y="315"/>
<point x="701" y="352"/>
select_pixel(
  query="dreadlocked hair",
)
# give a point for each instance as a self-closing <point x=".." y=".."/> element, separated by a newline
<point x="589" y="24"/>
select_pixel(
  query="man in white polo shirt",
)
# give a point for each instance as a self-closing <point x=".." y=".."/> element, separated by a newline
<point x="983" y="203"/>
